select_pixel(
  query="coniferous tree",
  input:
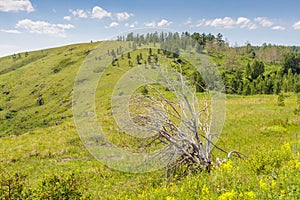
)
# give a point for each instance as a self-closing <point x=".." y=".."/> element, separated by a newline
<point x="258" y="68"/>
<point x="280" y="100"/>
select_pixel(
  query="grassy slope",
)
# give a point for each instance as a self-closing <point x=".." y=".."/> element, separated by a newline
<point x="58" y="150"/>
<point x="254" y="125"/>
<point x="48" y="72"/>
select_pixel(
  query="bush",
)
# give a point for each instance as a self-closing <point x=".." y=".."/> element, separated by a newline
<point x="297" y="110"/>
<point x="276" y="129"/>
<point x="14" y="186"/>
<point x="55" y="187"/>
<point x="280" y="100"/>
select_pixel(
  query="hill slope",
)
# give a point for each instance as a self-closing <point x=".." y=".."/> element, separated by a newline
<point x="46" y="74"/>
<point x="47" y="149"/>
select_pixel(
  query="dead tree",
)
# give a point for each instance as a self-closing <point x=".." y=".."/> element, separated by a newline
<point x="184" y="124"/>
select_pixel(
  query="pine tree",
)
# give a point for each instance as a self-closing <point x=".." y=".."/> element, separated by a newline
<point x="280" y="100"/>
<point x="246" y="88"/>
<point x="138" y="59"/>
<point x="248" y="71"/>
<point x="297" y="110"/>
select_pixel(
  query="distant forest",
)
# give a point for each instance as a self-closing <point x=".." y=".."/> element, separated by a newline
<point x="245" y="70"/>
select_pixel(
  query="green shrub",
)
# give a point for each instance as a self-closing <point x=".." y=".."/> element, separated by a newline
<point x="297" y="110"/>
<point x="62" y="64"/>
<point x="13" y="186"/>
<point x="59" y="187"/>
<point x="280" y="100"/>
<point x="276" y="129"/>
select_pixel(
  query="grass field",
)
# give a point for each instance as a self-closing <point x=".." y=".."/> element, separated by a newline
<point x="255" y="126"/>
<point x="41" y="142"/>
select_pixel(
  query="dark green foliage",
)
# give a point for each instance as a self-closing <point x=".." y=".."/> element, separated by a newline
<point x="11" y="114"/>
<point x="297" y="110"/>
<point x="145" y="91"/>
<point x="198" y="81"/>
<point x="291" y="62"/>
<point x="280" y="100"/>
<point x="138" y="58"/>
<point x="251" y="73"/>
<point x="58" y="187"/>
<point x="12" y="186"/>
<point x="130" y="63"/>
<point x="22" y="63"/>
<point x="246" y="87"/>
<point x="259" y="81"/>
<point x="40" y="100"/>
<point x="15" y="186"/>
<point x="248" y="71"/>
<point x="63" y="64"/>
<point x="257" y="69"/>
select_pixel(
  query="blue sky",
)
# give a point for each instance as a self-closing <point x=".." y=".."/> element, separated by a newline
<point x="36" y="24"/>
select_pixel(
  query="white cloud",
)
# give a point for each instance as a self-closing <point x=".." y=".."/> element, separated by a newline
<point x="163" y="22"/>
<point x="112" y="25"/>
<point x="42" y="27"/>
<point x="264" y="21"/>
<point x="79" y="13"/>
<point x="67" y="18"/>
<point x="244" y="22"/>
<point x="16" y="5"/>
<point x="9" y="31"/>
<point x="226" y="22"/>
<point x="131" y="25"/>
<point x="150" y="24"/>
<point x="123" y="16"/>
<point x="296" y="25"/>
<point x="100" y="13"/>
<point x="279" y="28"/>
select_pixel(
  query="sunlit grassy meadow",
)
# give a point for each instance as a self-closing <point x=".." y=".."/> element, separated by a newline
<point x="41" y="150"/>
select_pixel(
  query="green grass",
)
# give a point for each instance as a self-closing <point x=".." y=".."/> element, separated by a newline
<point x="49" y="72"/>
<point x="57" y="150"/>
<point x="34" y="145"/>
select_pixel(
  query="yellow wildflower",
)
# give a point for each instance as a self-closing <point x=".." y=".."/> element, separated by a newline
<point x="273" y="184"/>
<point x="282" y="193"/>
<point x="250" y="195"/>
<point x="227" y="166"/>
<point x="286" y="147"/>
<point x="205" y="190"/>
<point x="227" y="196"/>
<point x="263" y="186"/>
<point x="170" y="198"/>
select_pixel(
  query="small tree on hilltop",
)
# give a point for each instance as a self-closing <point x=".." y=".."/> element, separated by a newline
<point x="297" y="110"/>
<point x="280" y="100"/>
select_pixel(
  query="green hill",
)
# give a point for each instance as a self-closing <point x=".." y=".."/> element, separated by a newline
<point x="42" y="156"/>
<point x="48" y="73"/>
